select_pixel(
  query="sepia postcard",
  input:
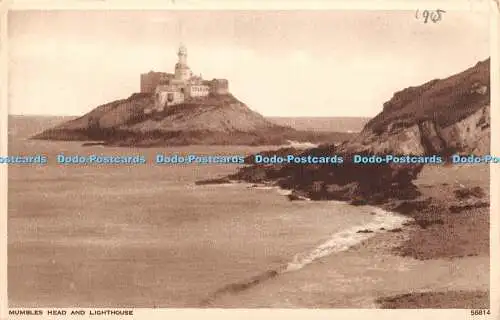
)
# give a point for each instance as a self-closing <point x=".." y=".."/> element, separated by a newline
<point x="278" y="159"/>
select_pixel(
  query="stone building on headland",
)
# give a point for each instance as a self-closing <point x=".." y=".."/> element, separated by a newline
<point x="175" y="88"/>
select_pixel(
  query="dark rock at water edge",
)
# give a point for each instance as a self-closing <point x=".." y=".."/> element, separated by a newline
<point x="464" y="193"/>
<point x="296" y="195"/>
<point x="364" y="231"/>
<point x="223" y="180"/>
<point x="468" y="206"/>
<point x="357" y="184"/>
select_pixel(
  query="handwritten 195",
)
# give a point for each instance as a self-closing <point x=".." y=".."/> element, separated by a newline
<point x="430" y="15"/>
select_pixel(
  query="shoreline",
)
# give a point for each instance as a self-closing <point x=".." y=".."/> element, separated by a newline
<point x="341" y="241"/>
<point x="450" y="223"/>
<point x="446" y="226"/>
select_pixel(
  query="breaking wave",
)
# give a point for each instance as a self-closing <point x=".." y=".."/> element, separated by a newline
<point x="300" y="145"/>
<point x="345" y="239"/>
<point x="337" y="242"/>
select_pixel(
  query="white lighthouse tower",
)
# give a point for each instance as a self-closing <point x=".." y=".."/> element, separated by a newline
<point x="182" y="71"/>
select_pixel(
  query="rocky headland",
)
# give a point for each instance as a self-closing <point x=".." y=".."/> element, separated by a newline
<point x="441" y="117"/>
<point x="218" y="119"/>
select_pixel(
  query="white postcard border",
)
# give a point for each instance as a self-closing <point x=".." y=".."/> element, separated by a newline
<point x="479" y="5"/>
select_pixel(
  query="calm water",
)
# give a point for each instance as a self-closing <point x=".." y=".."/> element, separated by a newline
<point x="145" y="235"/>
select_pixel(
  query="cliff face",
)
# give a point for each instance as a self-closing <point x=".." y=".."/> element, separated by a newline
<point x="445" y="116"/>
<point x="439" y="117"/>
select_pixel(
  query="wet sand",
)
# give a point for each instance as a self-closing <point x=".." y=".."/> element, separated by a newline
<point x="421" y="265"/>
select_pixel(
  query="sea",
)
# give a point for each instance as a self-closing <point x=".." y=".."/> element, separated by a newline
<point x="147" y="236"/>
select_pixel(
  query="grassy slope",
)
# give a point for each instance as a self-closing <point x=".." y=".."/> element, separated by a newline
<point x="446" y="101"/>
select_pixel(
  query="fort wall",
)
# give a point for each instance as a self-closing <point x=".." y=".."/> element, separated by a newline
<point x="173" y="88"/>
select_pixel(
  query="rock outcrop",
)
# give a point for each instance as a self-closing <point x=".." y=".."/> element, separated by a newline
<point x="358" y="184"/>
<point x="216" y="119"/>
<point x="440" y="117"/>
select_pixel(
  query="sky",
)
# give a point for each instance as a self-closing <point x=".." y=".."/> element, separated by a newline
<point x="279" y="63"/>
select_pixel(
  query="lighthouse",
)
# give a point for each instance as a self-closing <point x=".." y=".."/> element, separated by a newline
<point x="175" y="88"/>
<point x="182" y="71"/>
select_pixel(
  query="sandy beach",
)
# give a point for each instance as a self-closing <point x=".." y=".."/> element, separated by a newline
<point x="386" y="270"/>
